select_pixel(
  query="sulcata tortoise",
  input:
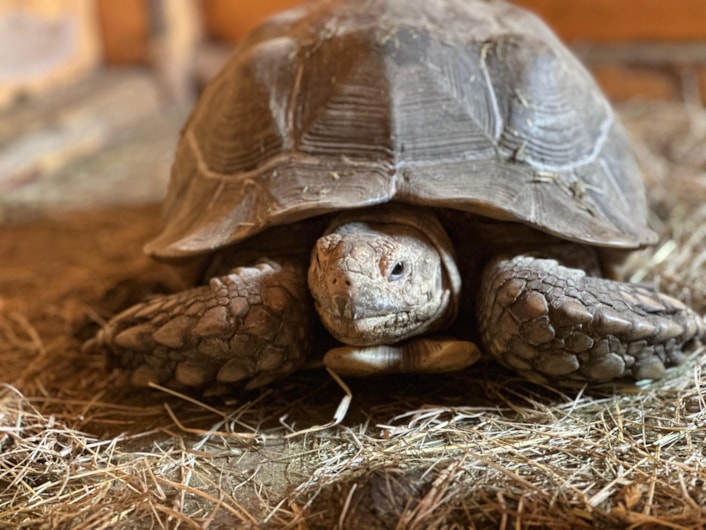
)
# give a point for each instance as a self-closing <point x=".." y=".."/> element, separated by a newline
<point x="423" y="175"/>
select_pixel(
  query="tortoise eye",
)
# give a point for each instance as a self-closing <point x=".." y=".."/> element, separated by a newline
<point x="397" y="271"/>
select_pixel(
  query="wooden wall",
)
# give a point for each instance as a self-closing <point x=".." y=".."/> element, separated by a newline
<point x="574" y="20"/>
<point x="623" y="20"/>
<point x="602" y="21"/>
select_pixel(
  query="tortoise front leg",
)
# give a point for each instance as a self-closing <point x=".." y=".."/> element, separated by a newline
<point x="245" y="328"/>
<point x="552" y="322"/>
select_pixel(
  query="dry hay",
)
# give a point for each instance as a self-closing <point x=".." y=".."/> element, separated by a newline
<point x="476" y="449"/>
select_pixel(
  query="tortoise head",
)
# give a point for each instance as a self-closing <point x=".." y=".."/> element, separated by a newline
<point x="382" y="275"/>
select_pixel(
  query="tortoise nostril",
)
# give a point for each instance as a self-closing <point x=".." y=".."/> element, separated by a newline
<point x="340" y="281"/>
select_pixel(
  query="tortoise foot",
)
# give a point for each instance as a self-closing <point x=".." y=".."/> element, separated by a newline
<point x="246" y="328"/>
<point x="417" y="355"/>
<point x="551" y="322"/>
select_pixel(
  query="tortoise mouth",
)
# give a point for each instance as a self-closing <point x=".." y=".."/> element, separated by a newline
<point x="376" y="329"/>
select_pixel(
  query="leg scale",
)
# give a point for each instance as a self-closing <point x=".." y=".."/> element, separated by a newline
<point x="552" y="322"/>
<point x="245" y="328"/>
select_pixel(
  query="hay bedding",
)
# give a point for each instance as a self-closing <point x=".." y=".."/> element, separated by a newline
<point x="477" y="449"/>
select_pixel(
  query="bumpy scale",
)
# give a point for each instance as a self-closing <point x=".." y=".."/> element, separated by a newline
<point x="548" y="321"/>
<point x="247" y="327"/>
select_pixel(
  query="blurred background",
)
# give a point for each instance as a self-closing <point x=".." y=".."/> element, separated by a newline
<point x="94" y="92"/>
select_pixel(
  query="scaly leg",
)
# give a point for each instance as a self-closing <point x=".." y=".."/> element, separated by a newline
<point x="552" y="322"/>
<point x="245" y="328"/>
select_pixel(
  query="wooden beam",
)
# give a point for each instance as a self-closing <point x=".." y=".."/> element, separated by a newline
<point x="623" y="20"/>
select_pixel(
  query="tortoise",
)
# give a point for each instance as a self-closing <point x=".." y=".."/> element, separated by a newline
<point x="395" y="182"/>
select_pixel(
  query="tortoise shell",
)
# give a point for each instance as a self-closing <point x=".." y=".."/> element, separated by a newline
<point x="466" y="104"/>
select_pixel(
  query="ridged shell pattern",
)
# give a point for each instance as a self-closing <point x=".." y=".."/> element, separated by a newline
<point x="466" y="104"/>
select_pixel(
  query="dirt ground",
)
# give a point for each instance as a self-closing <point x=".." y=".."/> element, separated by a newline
<point x="479" y="449"/>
